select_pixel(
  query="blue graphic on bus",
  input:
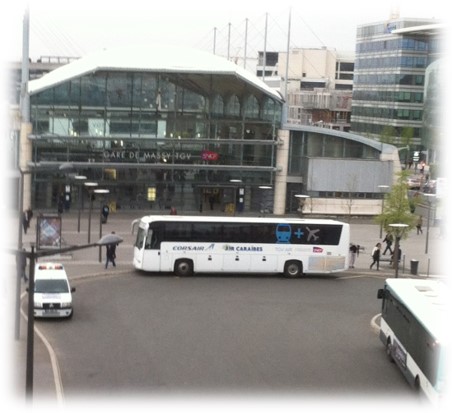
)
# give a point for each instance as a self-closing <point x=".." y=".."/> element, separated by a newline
<point x="283" y="233"/>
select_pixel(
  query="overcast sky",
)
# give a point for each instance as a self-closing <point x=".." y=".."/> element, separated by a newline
<point x="79" y="27"/>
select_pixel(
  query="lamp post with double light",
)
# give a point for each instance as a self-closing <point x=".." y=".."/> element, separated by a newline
<point x="90" y="186"/>
<point x="429" y="198"/>
<point x="101" y="192"/>
<point x="79" y="178"/>
<point x="383" y="189"/>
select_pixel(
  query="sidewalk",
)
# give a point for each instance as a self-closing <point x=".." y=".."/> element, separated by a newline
<point x="363" y="232"/>
<point x="85" y="263"/>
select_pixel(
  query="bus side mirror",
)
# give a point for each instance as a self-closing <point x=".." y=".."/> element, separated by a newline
<point x="381" y="293"/>
<point x="72" y="289"/>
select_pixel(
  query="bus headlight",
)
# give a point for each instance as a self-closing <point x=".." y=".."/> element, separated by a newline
<point x="65" y="305"/>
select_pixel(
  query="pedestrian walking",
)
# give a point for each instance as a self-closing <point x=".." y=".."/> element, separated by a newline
<point x="352" y="255"/>
<point x="388" y="240"/>
<point x="105" y="212"/>
<point x="111" y="254"/>
<point x="29" y="213"/>
<point x="376" y="256"/>
<point x="25" y="222"/>
<point x="419" y="225"/>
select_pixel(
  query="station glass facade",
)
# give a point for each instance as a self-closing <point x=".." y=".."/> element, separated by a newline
<point x="156" y="139"/>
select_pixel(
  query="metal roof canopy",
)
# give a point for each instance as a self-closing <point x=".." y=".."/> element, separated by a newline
<point x="193" y="69"/>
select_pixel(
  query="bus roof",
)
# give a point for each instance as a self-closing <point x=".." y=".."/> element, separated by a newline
<point x="273" y="220"/>
<point x="427" y="300"/>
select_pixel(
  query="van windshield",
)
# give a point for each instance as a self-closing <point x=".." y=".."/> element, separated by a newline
<point x="51" y="286"/>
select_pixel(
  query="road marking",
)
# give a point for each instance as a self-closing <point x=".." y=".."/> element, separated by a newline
<point x="59" y="391"/>
<point x="377" y="276"/>
<point x="374" y="325"/>
<point x="53" y="359"/>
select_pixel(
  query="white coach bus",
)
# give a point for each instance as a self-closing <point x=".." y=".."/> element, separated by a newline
<point x="195" y="244"/>
<point x="413" y="329"/>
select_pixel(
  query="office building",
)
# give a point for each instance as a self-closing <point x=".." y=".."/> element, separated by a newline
<point x="390" y="72"/>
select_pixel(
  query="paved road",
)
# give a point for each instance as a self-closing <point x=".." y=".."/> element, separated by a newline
<point x="85" y="264"/>
<point x="141" y="334"/>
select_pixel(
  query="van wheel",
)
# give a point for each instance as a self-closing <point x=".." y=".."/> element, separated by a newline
<point x="293" y="269"/>
<point x="389" y="350"/>
<point x="417" y="386"/>
<point x="183" y="268"/>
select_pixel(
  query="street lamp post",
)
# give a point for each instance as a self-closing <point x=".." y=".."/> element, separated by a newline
<point x="33" y="255"/>
<point x="429" y="197"/>
<point x="100" y="191"/>
<point x="398" y="229"/>
<point x="79" y="178"/>
<point x="90" y="186"/>
<point x="383" y="189"/>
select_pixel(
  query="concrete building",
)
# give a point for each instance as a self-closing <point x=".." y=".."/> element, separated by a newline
<point x="319" y="84"/>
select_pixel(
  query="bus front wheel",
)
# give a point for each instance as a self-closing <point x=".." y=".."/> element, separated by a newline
<point x="293" y="269"/>
<point x="183" y="268"/>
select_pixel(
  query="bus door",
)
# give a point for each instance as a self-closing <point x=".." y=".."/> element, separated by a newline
<point x="151" y="255"/>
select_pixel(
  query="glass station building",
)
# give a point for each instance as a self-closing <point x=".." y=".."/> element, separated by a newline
<point x="158" y="127"/>
<point x="163" y="127"/>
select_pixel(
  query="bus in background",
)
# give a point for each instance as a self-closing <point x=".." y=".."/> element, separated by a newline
<point x="413" y="329"/>
<point x="189" y="244"/>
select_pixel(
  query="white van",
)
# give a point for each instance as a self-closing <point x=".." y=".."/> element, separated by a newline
<point x="52" y="296"/>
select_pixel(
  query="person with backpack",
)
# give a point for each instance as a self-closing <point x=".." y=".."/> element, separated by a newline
<point x="376" y="256"/>
<point x="388" y="240"/>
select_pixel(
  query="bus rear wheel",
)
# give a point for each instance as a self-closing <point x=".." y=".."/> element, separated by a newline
<point x="183" y="268"/>
<point x="293" y="269"/>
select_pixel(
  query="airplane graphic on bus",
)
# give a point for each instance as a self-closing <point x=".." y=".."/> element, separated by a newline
<point x="284" y="233"/>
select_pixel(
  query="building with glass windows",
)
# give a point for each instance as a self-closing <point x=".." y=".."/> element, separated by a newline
<point x="159" y="127"/>
<point x="390" y="65"/>
<point x="168" y="127"/>
<point x="432" y="138"/>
